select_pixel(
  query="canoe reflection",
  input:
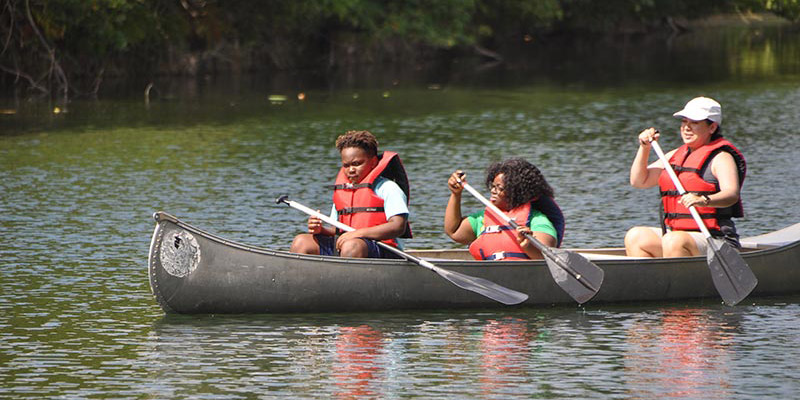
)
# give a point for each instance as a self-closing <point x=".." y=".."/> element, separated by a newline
<point x="683" y="355"/>
<point x="505" y="351"/>
<point x="357" y="368"/>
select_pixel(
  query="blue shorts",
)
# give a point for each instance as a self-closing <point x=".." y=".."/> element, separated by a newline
<point x="327" y="247"/>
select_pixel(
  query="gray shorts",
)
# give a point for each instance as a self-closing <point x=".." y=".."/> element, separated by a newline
<point x="700" y="239"/>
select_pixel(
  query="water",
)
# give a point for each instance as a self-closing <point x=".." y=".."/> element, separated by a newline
<point x="78" y="188"/>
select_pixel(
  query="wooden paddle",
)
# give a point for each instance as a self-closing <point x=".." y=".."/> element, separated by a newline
<point x="732" y="276"/>
<point x="478" y="285"/>
<point x="579" y="277"/>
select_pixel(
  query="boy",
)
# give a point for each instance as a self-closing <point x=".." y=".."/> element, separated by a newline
<point x="370" y="195"/>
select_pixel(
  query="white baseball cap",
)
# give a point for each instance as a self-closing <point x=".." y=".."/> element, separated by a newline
<point x="701" y="108"/>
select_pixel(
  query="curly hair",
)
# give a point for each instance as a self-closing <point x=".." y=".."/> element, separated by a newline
<point x="360" y="139"/>
<point x="522" y="181"/>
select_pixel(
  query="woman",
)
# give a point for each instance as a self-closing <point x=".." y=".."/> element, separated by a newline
<point x="711" y="170"/>
<point x="521" y="192"/>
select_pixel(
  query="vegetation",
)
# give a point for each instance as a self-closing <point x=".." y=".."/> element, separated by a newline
<point x="47" y="43"/>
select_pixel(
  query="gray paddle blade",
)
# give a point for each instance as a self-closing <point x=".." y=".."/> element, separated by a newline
<point x="732" y="277"/>
<point x="484" y="287"/>
<point x="579" y="277"/>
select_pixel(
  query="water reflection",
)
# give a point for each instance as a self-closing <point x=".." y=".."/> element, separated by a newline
<point x="505" y="348"/>
<point x="77" y="190"/>
<point x="682" y="353"/>
<point x="356" y="369"/>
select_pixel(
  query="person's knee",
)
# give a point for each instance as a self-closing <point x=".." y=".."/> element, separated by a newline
<point x="642" y="241"/>
<point x="677" y="244"/>
<point x="639" y="237"/>
<point x="355" y="248"/>
<point x="304" y="243"/>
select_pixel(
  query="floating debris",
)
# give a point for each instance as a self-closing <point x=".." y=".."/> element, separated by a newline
<point x="277" y="98"/>
<point x="7" y="111"/>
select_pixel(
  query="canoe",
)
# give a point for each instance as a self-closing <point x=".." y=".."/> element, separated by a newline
<point x="192" y="271"/>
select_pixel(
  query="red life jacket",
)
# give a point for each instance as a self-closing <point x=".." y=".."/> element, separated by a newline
<point x="357" y="204"/>
<point x="498" y="241"/>
<point x="689" y="166"/>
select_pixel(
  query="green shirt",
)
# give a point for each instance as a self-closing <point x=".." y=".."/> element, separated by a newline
<point x="539" y="223"/>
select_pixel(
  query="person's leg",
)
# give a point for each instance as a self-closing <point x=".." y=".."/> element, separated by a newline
<point x="643" y="241"/>
<point x="376" y="251"/>
<point x="305" y="243"/>
<point x="354" y="248"/>
<point x="679" y="244"/>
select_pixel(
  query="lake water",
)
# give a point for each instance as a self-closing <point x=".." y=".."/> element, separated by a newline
<point x="78" y="189"/>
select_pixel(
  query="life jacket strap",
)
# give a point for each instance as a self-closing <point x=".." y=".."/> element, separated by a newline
<point x="495" y="229"/>
<point x="688" y="216"/>
<point x="680" y="168"/>
<point x="502" y="254"/>
<point x="665" y="193"/>
<point x="354" y="210"/>
<point x="349" y="186"/>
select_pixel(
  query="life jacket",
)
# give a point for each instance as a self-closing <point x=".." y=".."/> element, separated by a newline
<point x="498" y="241"/>
<point x="357" y="204"/>
<point x="690" y="166"/>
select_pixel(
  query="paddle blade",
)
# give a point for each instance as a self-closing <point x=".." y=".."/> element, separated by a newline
<point x="732" y="277"/>
<point x="483" y="287"/>
<point x="578" y="276"/>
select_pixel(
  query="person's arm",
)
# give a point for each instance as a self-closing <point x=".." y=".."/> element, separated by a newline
<point x="723" y="167"/>
<point x="390" y="229"/>
<point x="643" y="175"/>
<point x="528" y="247"/>
<point x="457" y="227"/>
<point x="543" y="230"/>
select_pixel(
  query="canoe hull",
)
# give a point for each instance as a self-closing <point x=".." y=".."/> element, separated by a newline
<point x="192" y="271"/>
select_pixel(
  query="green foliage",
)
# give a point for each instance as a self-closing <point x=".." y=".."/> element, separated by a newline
<point x="789" y="9"/>
<point x="86" y="37"/>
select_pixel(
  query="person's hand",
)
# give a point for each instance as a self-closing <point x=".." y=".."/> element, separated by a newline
<point x="345" y="237"/>
<point x="521" y="238"/>
<point x="691" y="199"/>
<point x="453" y="183"/>
<point x="648" y="135"/>
<point x="314" y="225"/>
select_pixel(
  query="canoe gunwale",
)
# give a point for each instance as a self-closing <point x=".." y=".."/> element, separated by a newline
<point x="161" y="216"/>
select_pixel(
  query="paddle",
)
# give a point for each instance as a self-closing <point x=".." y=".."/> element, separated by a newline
<point x="579" y="277"/>
<point x="731" y="275"/>
<point x="478" y="285"/>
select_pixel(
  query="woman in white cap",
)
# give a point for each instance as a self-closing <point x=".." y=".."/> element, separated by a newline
<point x="711" y="170"/>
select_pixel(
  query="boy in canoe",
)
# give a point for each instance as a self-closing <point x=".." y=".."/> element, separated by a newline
<point x="371" y="195"/>
<point x="518" y="189"/>
<point x="710" y="168"/>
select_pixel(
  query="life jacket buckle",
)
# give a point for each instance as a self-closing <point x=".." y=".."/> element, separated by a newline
<point x="492" y="229"/>
<point x="499" y="255"/>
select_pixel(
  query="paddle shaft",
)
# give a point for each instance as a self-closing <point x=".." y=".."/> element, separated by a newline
<point x="347" y="228"/>
<point x="546" y="251"/>
<point x="478" y="285"/>
<point x="732" y="276"/>
<point x="680" y="188"/>
<point x="539" y="245"/>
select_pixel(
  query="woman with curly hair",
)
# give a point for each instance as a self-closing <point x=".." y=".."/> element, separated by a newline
<point x="518" y="189"/>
